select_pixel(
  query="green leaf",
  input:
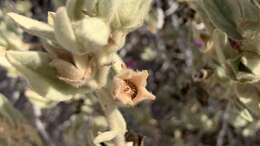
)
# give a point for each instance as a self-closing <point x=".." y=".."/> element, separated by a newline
<point x="220" y="13"/>
<point x="249" y="96"/>
<point x="74" y="9"/>
<point x="7" y="111"/>
<point x="34" y="27"/>
<point x="51" y="16"/>
<point x="239" y="115"/>
<point x="39" y="101"/>
<point x="34" y="66"/>
<point x="223" y="54"/>
<point x="107" y="9"/>
<point x="4" y="63"/>
<point x="249" y="16"/>
<point x="252" y="61"/>
<point x="256" y="2"/>
<point x="64" y="31"/>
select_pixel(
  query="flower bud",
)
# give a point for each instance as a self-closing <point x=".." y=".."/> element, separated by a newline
<point x="125" y="15"/>
<point x="91" y="33"/>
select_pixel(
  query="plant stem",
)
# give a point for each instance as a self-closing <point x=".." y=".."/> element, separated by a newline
<point x="114" y="117"/>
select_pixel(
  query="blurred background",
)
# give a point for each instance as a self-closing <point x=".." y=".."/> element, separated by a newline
<point x="187" y="111"/>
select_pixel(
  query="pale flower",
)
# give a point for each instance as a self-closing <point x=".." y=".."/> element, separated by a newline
<point x="129" y="87"/>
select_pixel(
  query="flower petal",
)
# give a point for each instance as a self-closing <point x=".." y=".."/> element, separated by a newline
<point x="118" y="85"/>
<point x="140" y="78"/>
<point x="143" y="94"/>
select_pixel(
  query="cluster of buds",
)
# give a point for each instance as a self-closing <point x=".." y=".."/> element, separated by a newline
<point x="81" y="41"/>
<point x="234" y="46"/>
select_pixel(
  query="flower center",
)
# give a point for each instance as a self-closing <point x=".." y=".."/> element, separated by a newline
<point x="130" y="89"/>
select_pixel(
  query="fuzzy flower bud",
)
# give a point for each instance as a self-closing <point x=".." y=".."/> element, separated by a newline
<point x="92" y="33"/>
<point x="126" y="15"/>
<point x="83" y="36"/>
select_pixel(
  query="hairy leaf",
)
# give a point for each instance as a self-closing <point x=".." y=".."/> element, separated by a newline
<point x="41" y="77"/>
<point x="34" y="27"/>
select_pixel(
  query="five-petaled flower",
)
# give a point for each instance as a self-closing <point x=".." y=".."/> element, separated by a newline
<point x="129" y="87"/>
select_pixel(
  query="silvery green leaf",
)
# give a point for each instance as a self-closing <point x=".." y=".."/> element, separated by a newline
<point x="15" y="42"/>
<point x="51" y="16"/>
<point x="246" y="68"/>
<point x="4" y="63"/>
<point x="251" y="43"/>
<point x="91" y="7"/>
<point x="249" y="16"/>
<point x="34" y="27"/>
<point x="75" y="8"/>
<point x="256" y="2"/>
<point x="107" y="9"/>
<point x="64" y="32"/>
<point x="105" y="136"/>
<point x="220" y="39"/>
<point x="39" y="101"/>
<point x="223" y="53"/>
<point x="240" y="71"/>
<point x="3" y="42"/>
<point x="203" y="15"/>
<point x="249" y="96"/>
<point x="8" y="112"/>
<point x="252" y="62"/>
<point x="40" y="76"/>
<point x="240" y="115"/>
<point x="221" y="15"/>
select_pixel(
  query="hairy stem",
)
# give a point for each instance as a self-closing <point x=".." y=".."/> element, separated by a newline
<point x="114" y="118"/>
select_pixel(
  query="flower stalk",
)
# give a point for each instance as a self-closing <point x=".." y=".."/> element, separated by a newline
<point x="114" y="118"/>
